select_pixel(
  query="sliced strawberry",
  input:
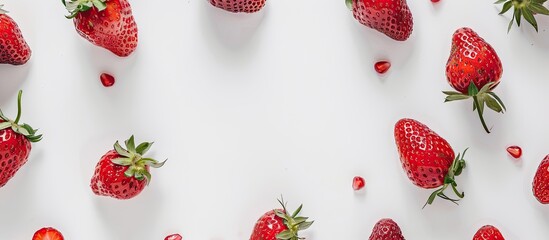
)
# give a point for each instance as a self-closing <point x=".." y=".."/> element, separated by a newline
<point x="47" y="233"/>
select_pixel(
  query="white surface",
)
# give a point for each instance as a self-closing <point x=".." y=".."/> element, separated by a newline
<point x="282" y="102"/>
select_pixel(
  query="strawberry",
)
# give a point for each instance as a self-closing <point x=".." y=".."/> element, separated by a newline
<point x="13" y="48"/>
<point x="123" y="173"/>
<point x="488" y="232"/>
<point x="386" y="229"/>
<point x="390" y="17"/>
<point x="15" y="144"/>
<point x="105" y="23"/>
<point x="277" y="224"/>
<point x="523" y="8"/>
<point x="236" y="6"/>
<point x="540" y="186"/>
<point x="428" y="159"/>
<point x="474" y="65"/>
<point x="47" y="234"/>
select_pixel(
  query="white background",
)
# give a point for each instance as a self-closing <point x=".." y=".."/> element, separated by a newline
<point x="248" y="107"/>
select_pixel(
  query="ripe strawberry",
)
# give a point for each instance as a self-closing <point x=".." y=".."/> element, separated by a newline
<point x="13" y="48"/>
<point x="474" y="65"/>
<point x="15" y="144"/>
<point x="524" y="8"/>
<point x="105" y="23"/>
<point x="248" y="6"/>
<point x="488" y="232"/>
<point x="428" y="159"/>
<point x="47" y="234"/>
<point x="540" y="186"/>
<point x="390" y="17"/>
<point x="123" y="173"/>
<point x="386" y="229"/>
<point x="278" y="225"/>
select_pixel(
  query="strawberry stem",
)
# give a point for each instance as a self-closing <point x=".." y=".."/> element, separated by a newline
<point x="480" y="113"/>
<point x="18" y="107"/>
<point x="449" y="180"/>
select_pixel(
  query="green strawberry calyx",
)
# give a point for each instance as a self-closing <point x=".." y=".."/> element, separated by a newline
<point x="293" y="222"/>
<point x="24" y="129"/>
<point x="449" y="181"/>
<point x="523" y="8"/>
<point x="349" y="4"/>
<point x="77" y="6"/>
<point x="132" y="157"/>
<point x="481" y="97"/>
<point x="2" y="11"/>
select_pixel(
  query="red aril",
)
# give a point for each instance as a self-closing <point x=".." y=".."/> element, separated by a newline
<point x="358" y="183"/>
<point x="515" y="151"/>
<point x="382" y="67"/>
<point x="107" y="80"/>
<point x="174" y="237"/>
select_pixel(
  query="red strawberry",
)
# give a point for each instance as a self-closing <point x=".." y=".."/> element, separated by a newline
<point x="488" y="232"/>
<point x="47" y="234"/>
<point x="474" y="65"/>
<point x="123" y="173"/>
<point x="15" y="144"/>
<point x="105" y="23"/>
<point x="540" y="186"/>
<point x="247" y="6"/>
<point x="277" y="225"/>
<point x="524" y="8"/>
<point x="13" y="48"/>
<point x="427" y="158"/>
<point x="386" y="229"/>
<point x="390" y="17"/>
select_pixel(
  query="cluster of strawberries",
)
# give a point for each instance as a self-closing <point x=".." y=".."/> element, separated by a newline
<point x="473" y="70"/>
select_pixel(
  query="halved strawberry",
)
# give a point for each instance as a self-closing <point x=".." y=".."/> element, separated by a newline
<point x="47" y="233"/>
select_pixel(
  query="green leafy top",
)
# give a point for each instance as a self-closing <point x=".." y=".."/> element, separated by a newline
<point x="76" y="6"/>
<point x="449" y="181"/>
<point x="481" y="97"/>
<point x="294" y="222"/>
<point x="2" y="11"/>
<point x="23" y="129"/>
<point x="349" y="4"/>
<point x="524" y="8"/>
<point x="133" y="157"/>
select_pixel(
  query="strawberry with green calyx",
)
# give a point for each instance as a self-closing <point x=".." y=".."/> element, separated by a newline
<point x="524" y="8"/>
<point x="278" y="225"/>
<point x="124" y="173"/>
<point x="15" y="144"/>
<point x="428" y="159"/>
<point x="106" y="23"/>
<point x="473" y="64"/>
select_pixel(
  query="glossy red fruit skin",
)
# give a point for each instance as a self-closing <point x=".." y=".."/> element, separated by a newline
<point x="515" y="151"/>
<point x="107" y="80"/>
<point x="14" y="49"/>
<point x="425" y="156"/>
<point x="236" y="6"/>
<point x="48" y="233"/>
<point x="472" y="59"/>
<point x="386" y="229"/>
<point x="174" y="237"/>
<point x="109" y="179"/>
<point x="113" y="28"/>
<point x="14" y="153"/>
<point x="390" y="17"/>
<point x="358" y="183"/>
<point x="382" y="67"/>
<point x="488" y="232"/>
<point x="268" y="226"/>
<point x="540" y="186"/>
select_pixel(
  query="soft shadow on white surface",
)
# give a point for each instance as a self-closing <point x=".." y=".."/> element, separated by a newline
<point x="12" y="79"/>
<point x="233" y="30"/>
<point x="130" y="219"/>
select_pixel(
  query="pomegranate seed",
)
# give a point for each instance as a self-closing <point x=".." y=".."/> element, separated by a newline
<point x="358" y="183"/>
<point x="515" y="151"/>
<point x="435" y="1"/>
<point x="174" y="237"/>
<point x="107" y="80"/>
<point x="382" y="67"/>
